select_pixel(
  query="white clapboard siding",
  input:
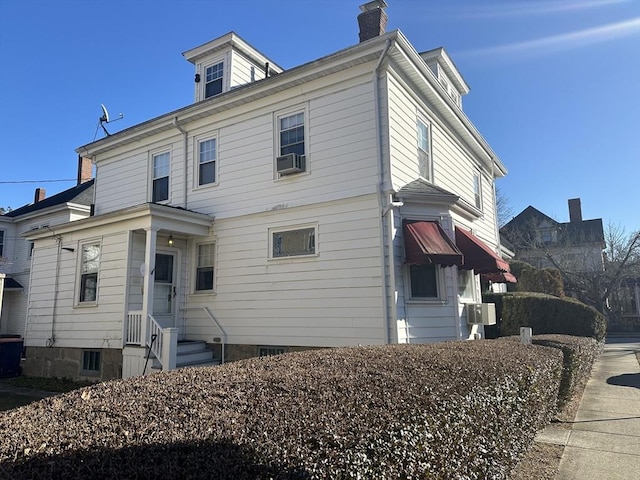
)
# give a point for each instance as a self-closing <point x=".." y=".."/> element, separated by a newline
<point x="341" y="154"/>
<point x="241" y="69"/>
<point x="333" y="298"/>
<point x="95" y="326"/>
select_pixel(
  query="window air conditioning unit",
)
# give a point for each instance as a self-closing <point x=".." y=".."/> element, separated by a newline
<point x="290" y="163"/>
<point x="481" y="313"/>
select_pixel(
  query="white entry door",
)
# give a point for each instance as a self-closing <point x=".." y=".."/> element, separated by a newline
<point x="164" y="289"/>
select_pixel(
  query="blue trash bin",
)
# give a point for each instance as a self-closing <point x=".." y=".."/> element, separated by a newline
<point x="10" y="355"/>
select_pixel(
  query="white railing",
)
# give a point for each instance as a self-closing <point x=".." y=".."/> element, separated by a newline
<point x="163" y="343"/>
<point x="133" y="329"/>
<point x="223" y="335"/>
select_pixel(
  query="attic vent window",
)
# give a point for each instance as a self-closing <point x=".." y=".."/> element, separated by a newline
<point x="213" y="80"/>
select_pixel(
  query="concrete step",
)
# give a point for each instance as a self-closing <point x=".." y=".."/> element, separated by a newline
<point x="204" y="355"/>
<point x="190" y="346"/>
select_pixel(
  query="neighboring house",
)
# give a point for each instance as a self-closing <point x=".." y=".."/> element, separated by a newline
<point x="16" y="251"/>
<point x="346" y="201"/>
<point x="575" y="246"/>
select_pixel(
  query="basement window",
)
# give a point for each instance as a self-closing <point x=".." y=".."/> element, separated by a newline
<point x="91" y="362"/>
<point x="270" y="351"/>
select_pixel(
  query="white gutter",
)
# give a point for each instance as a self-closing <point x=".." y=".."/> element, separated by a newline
<point x="184" y="163"/>
<point x="386" y="320"/>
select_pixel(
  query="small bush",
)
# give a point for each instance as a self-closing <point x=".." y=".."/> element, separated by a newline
<point x="545" y="314"/>
<point x="459" y="410"/>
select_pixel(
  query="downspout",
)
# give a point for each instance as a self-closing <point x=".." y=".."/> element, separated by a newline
<point x="52" y="339"/>
<point x="381" y="197"/>
<point x="184" y="155"/>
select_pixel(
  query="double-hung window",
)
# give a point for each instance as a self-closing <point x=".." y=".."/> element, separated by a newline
<point x="204" y="267"/>
<point x="477" y="191"/>
<point x="213" y="77"/>
<point x="424" y="281"/>
<point x="161" y="166"/>
<point x="89" y="266"/>
<point x="291" y="130"/>
<point x="424" y="149"/>
<point x="293" y="243"/>
<point x="466" y="282"/>
<point x="207" y="157"/>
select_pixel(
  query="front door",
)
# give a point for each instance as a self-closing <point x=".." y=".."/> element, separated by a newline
<point x="164" y="289"/>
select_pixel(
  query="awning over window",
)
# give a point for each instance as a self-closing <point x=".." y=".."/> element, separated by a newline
<point x="477" y="255"/>
<point x="499" y="277"/>
<point x="11" y="284"/>
<point x="427" y="243"/>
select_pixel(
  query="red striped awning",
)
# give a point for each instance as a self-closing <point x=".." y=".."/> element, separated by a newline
<point x="427" y="243"/>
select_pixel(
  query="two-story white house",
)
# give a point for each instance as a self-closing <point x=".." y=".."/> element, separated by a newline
<point x="346" y="201"/>
<point x="16" y="252"/>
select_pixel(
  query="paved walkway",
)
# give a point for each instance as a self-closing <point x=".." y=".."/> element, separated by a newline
<point x="604" y="440"/>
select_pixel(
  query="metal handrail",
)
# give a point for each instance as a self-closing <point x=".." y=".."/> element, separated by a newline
<point x="155" y="330"/>
<point x="153" y="339"/>
<point x="224" y="335"/>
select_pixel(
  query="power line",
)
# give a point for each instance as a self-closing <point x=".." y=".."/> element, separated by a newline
<point x="40" y="181"/>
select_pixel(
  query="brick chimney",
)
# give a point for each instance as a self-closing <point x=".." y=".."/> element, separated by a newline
<point x="575" y="210"/>
<point x="85" y="170"/>
<point x="373" y="20"/>
<point x="39" y="195"/>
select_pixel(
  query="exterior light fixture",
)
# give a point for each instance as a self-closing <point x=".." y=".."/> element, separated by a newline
<point x="170" y="242"/>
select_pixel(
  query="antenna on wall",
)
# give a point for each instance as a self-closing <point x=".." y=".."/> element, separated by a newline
<point x="106" y="119"/>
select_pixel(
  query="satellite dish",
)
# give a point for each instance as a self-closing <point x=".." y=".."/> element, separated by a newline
<point x="105" y="114"/>
<point x="106" y="119"/>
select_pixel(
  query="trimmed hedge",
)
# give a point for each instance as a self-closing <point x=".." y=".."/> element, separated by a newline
<point x="579" y="355"/>
<point x="545" y="314"/>
<point x="532" y="279"/>
<point x="459" y="410"/>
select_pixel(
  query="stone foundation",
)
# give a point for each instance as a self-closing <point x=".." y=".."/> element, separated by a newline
<point x="63" y="362"/>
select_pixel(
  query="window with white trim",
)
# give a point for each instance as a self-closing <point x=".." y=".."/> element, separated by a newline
<point x="161" y="167"/>
<point x="424" y="281"/>
<point x="477" y="191"/>
<point x="424" y="149"/>
<point x="213" y="78"/>
<point x="207" y="161"/>
<point x="466" y="282"/>
<point x="89" y="268"/>
<point x="291" y="133"/>
<point x="293" y="242"/>
<point x="204" y="267"/>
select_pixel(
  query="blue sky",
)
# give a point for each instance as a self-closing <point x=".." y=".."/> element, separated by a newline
<point x="555" y="84"/>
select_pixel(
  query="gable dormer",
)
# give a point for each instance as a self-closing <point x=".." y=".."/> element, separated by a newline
<point x="447" y="74"/>
<point x="226" y="63"/>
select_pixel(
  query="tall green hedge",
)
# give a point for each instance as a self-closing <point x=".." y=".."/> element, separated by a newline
<point x="545" y="314"/>
<point x="532" y="279"/>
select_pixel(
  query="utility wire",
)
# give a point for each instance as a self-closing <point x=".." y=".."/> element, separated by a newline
<point x="40" y="181"/>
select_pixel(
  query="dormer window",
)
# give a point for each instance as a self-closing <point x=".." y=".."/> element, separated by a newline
<point x="213" y="75"/>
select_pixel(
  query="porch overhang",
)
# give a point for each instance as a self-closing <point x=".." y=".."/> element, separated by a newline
<point x="478" y="256"/>
<point x="426" y="243"/>
<point x="11" y="285"/>
<point x="147" y="216"/>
